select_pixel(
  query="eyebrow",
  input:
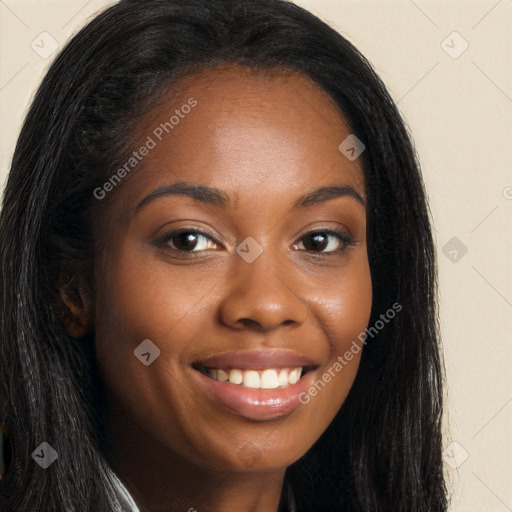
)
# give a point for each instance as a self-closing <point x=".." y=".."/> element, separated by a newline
<point x="198" y="192"/>
<point x="216" y="197"/>
<point x="323" y="194"/>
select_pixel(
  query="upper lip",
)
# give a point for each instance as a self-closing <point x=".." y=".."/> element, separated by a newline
<point x="256" y="360"/>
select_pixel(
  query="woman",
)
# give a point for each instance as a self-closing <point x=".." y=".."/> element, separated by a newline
<point x="218" y="274"/>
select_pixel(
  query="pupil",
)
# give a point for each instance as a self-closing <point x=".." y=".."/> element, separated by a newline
<point x="319" y="241"/>
<point x="183" y="239"/>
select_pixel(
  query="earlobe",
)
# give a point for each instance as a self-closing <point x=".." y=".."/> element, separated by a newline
<point x="76" y="316"/>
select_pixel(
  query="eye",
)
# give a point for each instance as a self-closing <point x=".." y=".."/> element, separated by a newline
<point x="327" y="241"/>
<point x="191" y="240"/>
<point x="186" y="240"/>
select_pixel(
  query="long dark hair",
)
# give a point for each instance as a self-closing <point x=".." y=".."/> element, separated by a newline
<point x="382" y="452"/>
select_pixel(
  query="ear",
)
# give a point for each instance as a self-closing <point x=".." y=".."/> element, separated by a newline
<point x="77" y="314"/>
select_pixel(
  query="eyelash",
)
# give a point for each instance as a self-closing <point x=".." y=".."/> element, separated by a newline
<point x="345" y="238"/>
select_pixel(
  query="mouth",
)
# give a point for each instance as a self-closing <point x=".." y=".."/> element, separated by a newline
<point x="269" y="378"/>
<point x="258" y="385"/>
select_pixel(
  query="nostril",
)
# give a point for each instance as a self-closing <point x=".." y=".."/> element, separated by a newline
<point x="249" y="322"/>
<point x="254" y="324"/>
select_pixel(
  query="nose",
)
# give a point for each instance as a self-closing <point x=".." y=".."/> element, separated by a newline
<point x="262" y="297"/>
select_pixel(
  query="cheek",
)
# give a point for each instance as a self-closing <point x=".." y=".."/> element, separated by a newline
<point x="344" y="305"/>
<point x="141" y="298"/>
<point x="343" y="309"/>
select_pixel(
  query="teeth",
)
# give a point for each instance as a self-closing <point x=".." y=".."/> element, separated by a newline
<point x="269" y="380"/>
<point x="251" y="379"/>
<point x="283" y="378"/>
<point x="222" y="376"/>
<point x="294" y="376"/>
<point x="236" y="377"/>
<point x="266" y="379"/>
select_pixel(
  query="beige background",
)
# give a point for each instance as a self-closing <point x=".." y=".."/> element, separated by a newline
<point x="460" y="114"/>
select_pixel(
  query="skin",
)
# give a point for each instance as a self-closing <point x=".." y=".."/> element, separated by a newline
<point x="263" y="139"/>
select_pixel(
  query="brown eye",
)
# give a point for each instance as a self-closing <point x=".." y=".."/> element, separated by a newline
<point x="327" y="241"/>
<point x="185" y="241"/>
<point x="316" y="242"/>
<point x="188" y="240"/>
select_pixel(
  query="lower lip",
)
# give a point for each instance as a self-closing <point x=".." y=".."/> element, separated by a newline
<point x="256" y="404"/>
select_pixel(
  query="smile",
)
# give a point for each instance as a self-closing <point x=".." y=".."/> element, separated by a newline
<point x="258" y="385"/>
<point x="271" y="378"/>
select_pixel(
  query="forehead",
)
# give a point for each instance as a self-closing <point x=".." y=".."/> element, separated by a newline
<point x="248" y="131"/>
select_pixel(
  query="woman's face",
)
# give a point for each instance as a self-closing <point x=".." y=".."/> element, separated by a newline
<point x="238" y="274"/>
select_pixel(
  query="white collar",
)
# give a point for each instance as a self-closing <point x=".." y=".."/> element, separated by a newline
<point x="127" y="503"/>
